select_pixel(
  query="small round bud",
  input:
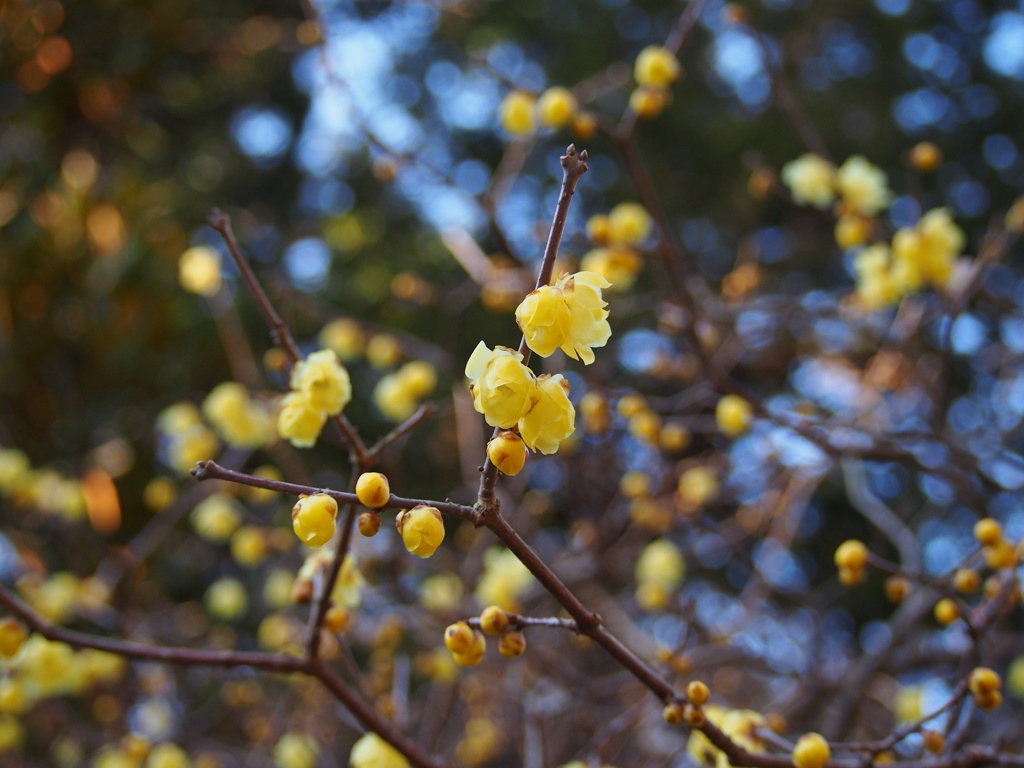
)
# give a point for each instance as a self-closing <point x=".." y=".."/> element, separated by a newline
<point x="850" y="577"/>
<point x="474" y="654"/>
<point x="1000" y="555"/>
<point x="507" y="452"/>
<point x="983" y="681"/>
<point x="372" y="489"/>
<point x="852" y="554"/>
<point x="988" y="532"/>
<point x="925" y="156"/>
<point x="946" y="611"/>
<point x="697" y="693"/>
<point x="493" y="620"/>
<point x="656" y="66"/>
<point x="733" y="415"/>
<point x="458" y="637"/>
<point x="336" y="618"/>
<point x="966" y="581"/>
<point x="673" y="713"/>
<point x="512" y="644"/>
<point x="584" y="125"/>
<point x="369" y="524"/>
<point x="811" y="751"/>
<point x="933" y="741"/>
<point x="989" y="701"/>
<point x="422" y="529"/>
<point x="313" y="518"/>
<point x="694" y="716"/>
<point x="12" y="635"/>
<point x="896" y="588"/>
<point x="556" y="107"/>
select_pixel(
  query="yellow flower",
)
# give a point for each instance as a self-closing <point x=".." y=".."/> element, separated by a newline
<point x="811" y="179"/>
<point x="863" y="186"/>
<point x="313" y="519"/>
<point x="811" y="751"/>
<point x="618" y="265"/>
<point x="569" y="315"/>
<point x="508" y="453"/>
<point x="662" y="562"/>
<point x="879" y="283"/>
<point x="733" y="415"/>
<point x="178" y="418"/>
<point x="226" y="599"/>
<point x="216" y="517"/>
<point x="299" y="421"/>
<point x="504" y="580"/>
<point x="168" y="755"/>
<point x="516" y="113"/>
<point x="295" y="750"/>
<point x="928" y="251"/>
<point x="552" y="418"/>
<point x="629" y="224"/>
<point x="418" y="377"/>
<point x="649" y="102"/>
<point x="12" y="635"/>
<point x="373" y="489"/>
<point x="393" y="399"/>
<point x="190" y="446"/>
<point x="656" y="67"/>
<point x="199" y="270"/>
<point x="556" y="107"/>
<point x="324" y="381"/>
<point x="371" y="751"/>
<point x="238" y="419"/>
<point x="344" y="336"/>
<point x="852" y="230"/>
<point x="503" y="388"/>
<point x="422" y="529"/>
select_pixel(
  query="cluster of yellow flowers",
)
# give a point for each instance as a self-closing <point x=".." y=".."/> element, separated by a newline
<point x="655" y="69"/>
<point x="398" y="395"/>
<point x="320" y="388"/>
<point x="508" y="394"/>
<point x="918" y="256"/>
<point x="922" y="255"/>
<point x="43" y="489"/>
<point x="618" y="234"/>
<point x="569" y="315"/>
<point x="520" y="112"/>
<point x="659" y="569"/>
<point x="240" y="420"/>
<point x="186" y="438"/>
<point x="33" y="668"/>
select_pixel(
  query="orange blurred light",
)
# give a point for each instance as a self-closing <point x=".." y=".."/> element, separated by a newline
<point x="54" y="55"/>
<point x="106" y="230"/>
<point x="101" y="500"/>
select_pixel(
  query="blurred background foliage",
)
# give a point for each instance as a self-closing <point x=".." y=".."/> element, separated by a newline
<point x="348" y="153"/>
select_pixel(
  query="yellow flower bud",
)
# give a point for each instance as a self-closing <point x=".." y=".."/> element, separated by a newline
<point x="508" y="453"/>
<point x="946" y="611"/>
<point x="516" y="113"/>
<point x="296" y="750"/>
<point x="216" y="517"/>
<point x="584" y="125"/>
<point x="226" y="599"/>
<point x="673" y="713"/>
<point x="649" y="102"/>
<point x="556" y="107"/>
<point x="966" y="581"/>
<point x="896" y="588"/>
<point x="851" y="554"/>
<point x="552" y="418"/>
<point x="373" y="489"/>
<point x="697" y="692"/>
<point x="1002" y="555"/>
<point x="474" y="654"/>
<point x="336" y="618"/>
<point x="371" y="751"/>
<point x="12" y="635"/>
<point x="493" y="620"/>
<point x="199" y="271"/>
<point x="458" y="637"/>
<point x="988" y="532"/>
<point x="811" y="751"/>
<point x="512" y="644"/>
<point x="168" y="755"/>
<point x="383" y="351"/>
<point x="369" y="524"/>
<point x="983" y="680"/>
<point x="422" y="529"/>
<point x="656" y="66"/>
<point x="925" y="156"/>
<point x="733" y="415"/>
<point x="314" y="519"/>
<point x="344" y="336"/>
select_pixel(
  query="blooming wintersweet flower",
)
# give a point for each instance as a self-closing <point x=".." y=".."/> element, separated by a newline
<point x="863" y="186"/>
<point x="324" y="381"/>
<point x="422" y="529"/>
<point x="811" y="179"/>
<point x="569" y="315"/>
<point x="552" y="418"/>
<point x="371" y="751"/>
<point x="503" y="388"/>
<point x="299" y="421"/>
